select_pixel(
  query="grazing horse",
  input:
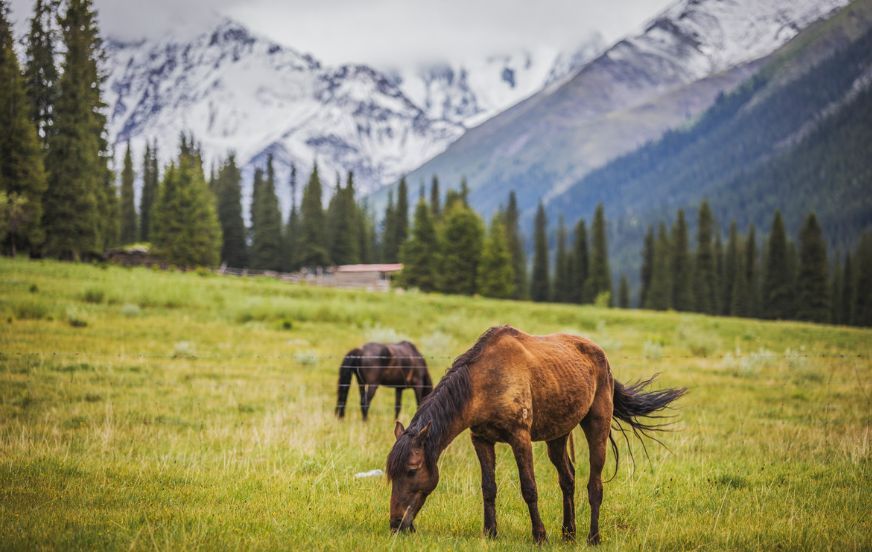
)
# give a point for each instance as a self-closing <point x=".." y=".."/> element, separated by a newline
<point x="398" y="365"/>
<point x="516" y="388"/>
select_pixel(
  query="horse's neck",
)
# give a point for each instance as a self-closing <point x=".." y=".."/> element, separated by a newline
<point x="443" y="434"/>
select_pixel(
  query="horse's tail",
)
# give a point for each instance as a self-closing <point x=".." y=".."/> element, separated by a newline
<point x="349" y="366"/>
<point x="632" y="402"/>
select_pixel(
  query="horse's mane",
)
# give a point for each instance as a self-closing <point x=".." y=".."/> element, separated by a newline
<point x="441" y="407"/>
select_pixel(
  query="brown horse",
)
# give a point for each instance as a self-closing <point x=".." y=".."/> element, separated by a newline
<point x="398" y="365"/>
<point x="516" y="388"/>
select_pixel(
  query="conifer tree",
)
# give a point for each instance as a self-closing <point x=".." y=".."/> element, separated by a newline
<point x="777" y="286"/>
<point x="313" y="238"/>
<point x="292" y="228"/>
<point x="435" y="199"/>
<point x="515" y="243"/>
<point x="731" y="261"/>
<point x="540" y="282"/>
<point x="752" y="274"/>
<point x="496" y="277"/>
<point x="624" y="293"/>
<point x="390" y="247"/>
<point x="150" y="180"/>
<point x="848" y="296"/>
<point x="461" y="244"/>
<point x="41" y="73"/>
<point x="186" y="229"/>
<point x="679" y="266"/>
<point x="79" y="201"/>
<point x="836" y="285"/>
<point x="420" y="253"/>
<point x="402" y="214"/>
<point x="813" y="299"/>
<point x="22" y="173"/>
<point x="228" y="188"/>
<point x="659" y="294"/>
<point x="704" y="274"/>
<point x="719" y="268"/>
<point x="561" y="266"/>
<point x="862" y="307"/>
<point x="581" y="263"/>
<point x="599" y="279"/>
<point x="266" y="246"/>
<point x="740" y="295"/>
<point x="342" y="225"/>
<point x="128" y="207"/>
<point x="464" y="191"/>
<point x="647" y="266"/>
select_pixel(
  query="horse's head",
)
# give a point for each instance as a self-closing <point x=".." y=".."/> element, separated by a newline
<point x="412" y="476"/>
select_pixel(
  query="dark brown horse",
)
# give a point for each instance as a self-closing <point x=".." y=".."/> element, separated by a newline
<point x="398" y="365"/>
<point x="515" y="388"/>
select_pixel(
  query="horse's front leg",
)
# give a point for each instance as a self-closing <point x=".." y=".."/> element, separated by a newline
<point x="398" y="402"/>
<point x="566" y="476"/>
<point x="486" y="457"/>
<point x="522" y="446"/>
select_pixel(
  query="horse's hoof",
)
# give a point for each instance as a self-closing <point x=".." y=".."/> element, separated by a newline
<point x="593" y="539"/>
<point x="490" y="533"/>
<point x="569" y="536"/>
<point x="540" y="538"/>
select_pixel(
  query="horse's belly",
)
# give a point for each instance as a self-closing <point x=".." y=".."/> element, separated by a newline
<point x="557" y="412"/>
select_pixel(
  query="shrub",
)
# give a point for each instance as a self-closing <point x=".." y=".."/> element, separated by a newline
<point x="93" y="295"/>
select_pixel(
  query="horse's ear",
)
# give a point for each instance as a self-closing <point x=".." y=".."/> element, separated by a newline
<point x="398" y="429"/>
<point x="423" y="433"/>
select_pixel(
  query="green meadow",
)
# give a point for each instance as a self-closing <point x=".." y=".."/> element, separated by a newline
<point x="142" y="409"/>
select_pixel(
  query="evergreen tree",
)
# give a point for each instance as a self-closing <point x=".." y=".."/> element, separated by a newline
<point x="600" y="278"/>
<point x="659" y="293"/>
<point x="342" y="224"/>
<point x="540" y="282"/>
<point x="292" y="228"/>
<point x="862" y="304"/>
<point x="464" y="191"/>
<point x="390" y="247"/>
<point x="705" y="269"/>
<point x="420" y="253"/>
<point x="402" y="214"/>
<point x="435" y="199"/>
<point x="581" y="263"/>
<point x="647" y="266"/>
<point x="752" y="274"/>
<point x="496" y="276"/>
<point x="777" y="286"/>
<point x="836" y="285"/>
<point x="186" y="229"/>
<point x="41" y="74"/>
<point x="679" y="265"/>
<point x="150" y="180"/>
<point x="266" y="246"/>
<point x="624" y="293"/>
<point x="731" y="261"/>
<point x="22" y="173"/>
<point x="740" y="295"/>
<point x="461" y="245"/>
<point x="515" y="242"/>
<point x="562" y="267"/>
<point x="813" y="302"/>
<point x="848" y="296"/>
<point x="719" y="268"/>
<point x="313" y="238"/>
<point x="79" y="202"/>
<point x="128" y="207"/>
<point x="228" y="189"/>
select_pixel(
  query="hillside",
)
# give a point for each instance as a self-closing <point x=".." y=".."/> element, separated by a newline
<point x="143" y="409"/>
<point x="792" y="137"/>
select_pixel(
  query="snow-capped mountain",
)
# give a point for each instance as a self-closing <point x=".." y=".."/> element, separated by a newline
<point x="240" y="92"/>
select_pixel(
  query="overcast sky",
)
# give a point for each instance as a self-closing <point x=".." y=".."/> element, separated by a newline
<point x="384" y="32"/>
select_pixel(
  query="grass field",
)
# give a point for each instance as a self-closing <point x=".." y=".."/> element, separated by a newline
<point x="143" y="409"/>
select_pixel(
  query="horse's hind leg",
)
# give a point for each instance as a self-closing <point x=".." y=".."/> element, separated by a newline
<point x="370" y="393"/>
<point x="398" y="402"/>
<point x="566" y="476"/>
<point x="596" y="426"/>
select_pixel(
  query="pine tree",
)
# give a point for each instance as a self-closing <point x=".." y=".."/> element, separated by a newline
<point x="540" y="283"/>
<point x="435" y="199"/>
<point x="752" y="274"/>
<point x="836" y="285"/>
<point x="719" y="269"/>
<point x="186" y="229"/>
<point x="496" y="275"/>
<point x="515" y="242"/>
<point x="292" y="227"/>
<point x="848" y="296"/>
<point x="228" y="188"/>
<point x="562" y="267"/>
<point x="659" y="294"/>
<point x="313" y="238"/>
<point x="679" y="265"/>
<point x="390" y="247"/>
<point x="600" y="279"/>
<point x="266" y="246"/>
<point x="460" y="253"/>
<point x="862" y="310"/>
<point x="342" y="225"/>
<point x="79" y="201"/>
<point x="128" y="207"/>
<point x="647" y="266"/>
<point x="813" y="299"/>
<point x="150" y="180"/>
<point x="704" y="274"/>
<point x="41" y="74"/>
<point x="420" y="253"/>
<point x="624" y="293"/>
<point x="740" y="295"/>
<point x="731" y="261"/>
<point x="581" y="263"/>
<point x="777" y="286"/>
<point x="22" y="173"/>
<point x="402" y="215"/>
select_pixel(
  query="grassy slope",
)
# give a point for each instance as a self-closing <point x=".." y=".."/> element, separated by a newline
<point x="118" y="435"/>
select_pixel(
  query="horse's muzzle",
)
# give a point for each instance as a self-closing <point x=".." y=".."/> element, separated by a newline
<point x="397" y="525"/>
